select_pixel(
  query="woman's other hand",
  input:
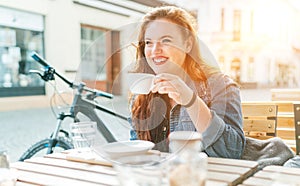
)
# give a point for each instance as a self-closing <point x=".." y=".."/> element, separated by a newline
<point x="174" y="86"/>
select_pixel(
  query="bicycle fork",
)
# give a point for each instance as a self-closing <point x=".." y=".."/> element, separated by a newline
<point x="54" y="136"/>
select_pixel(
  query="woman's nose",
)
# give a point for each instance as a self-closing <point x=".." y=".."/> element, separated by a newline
<point x="157" y="48"/>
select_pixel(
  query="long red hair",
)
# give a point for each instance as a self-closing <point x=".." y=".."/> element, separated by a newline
<point x="145" y="109"/>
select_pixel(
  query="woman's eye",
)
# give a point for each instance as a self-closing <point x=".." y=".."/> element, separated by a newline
<point x="148" y="42"/>
<point x="166" y="41"/>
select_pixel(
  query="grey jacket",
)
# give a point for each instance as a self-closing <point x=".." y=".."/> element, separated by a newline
<point x="224" y="137"/>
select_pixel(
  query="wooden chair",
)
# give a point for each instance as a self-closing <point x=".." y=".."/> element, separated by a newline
<point x="297" y="126"/>
<point x="260" y="120"/>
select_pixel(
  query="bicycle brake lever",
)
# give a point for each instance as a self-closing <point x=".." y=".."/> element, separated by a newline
<point x="35" y="72"/>
<point x="48" y="74"/>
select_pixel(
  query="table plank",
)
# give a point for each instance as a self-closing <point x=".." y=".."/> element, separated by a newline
<point x="67" y="173"/>
<point x="215" y="183"/>
<point x="235" y="162"/>
<point x="19" y="183"/>
<point x="286" y="170"/>
<point x="274" y="174"/>
<point x="26" y="178"/>
<point x="253" y="181"/>
<point x="281" y="177"/>
<point x="56" y="155"/>
<point x="72" y="165"/>
<point x="242" y="171"/>
<point x="230" y="179"/>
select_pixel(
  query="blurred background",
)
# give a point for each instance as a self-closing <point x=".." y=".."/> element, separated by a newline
<point x="256" y="42"/>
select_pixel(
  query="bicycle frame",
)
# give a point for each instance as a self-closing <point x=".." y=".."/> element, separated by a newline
<point x="87" y="107"/>
<point x="80" y="104"/>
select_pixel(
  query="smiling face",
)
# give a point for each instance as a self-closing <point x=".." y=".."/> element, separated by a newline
<point x="164" y="46"/>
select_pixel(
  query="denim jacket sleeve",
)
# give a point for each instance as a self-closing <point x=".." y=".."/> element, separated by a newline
<point x="133" y="134"/>
<point x="224" y="137"/>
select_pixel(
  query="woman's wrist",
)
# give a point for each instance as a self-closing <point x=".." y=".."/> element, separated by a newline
<point x="191" y="102"/>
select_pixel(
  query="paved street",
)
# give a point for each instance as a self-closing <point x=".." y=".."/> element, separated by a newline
<point x="22" y="128"/>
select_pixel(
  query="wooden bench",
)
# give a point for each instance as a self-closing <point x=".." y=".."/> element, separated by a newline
<point x="260" y="120"/>
<point x="292" y="95"/>
<point x="288" y="121"/>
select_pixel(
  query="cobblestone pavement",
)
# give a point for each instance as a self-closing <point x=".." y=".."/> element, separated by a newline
<point x="21" y="128"/>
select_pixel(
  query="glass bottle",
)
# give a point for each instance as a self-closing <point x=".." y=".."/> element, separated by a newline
<point x="187" y="166"/>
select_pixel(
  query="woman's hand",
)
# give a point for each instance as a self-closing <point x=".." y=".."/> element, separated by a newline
<point x="174" y="86"/>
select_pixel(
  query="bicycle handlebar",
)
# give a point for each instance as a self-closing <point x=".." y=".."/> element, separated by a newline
<point x="39" y="59"/>
<point x="44" y="63"/>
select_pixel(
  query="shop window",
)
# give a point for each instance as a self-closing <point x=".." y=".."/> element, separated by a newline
<point x="100" y="63"/>
<point x="17" y="41"/>
<point x="93" y="55"/>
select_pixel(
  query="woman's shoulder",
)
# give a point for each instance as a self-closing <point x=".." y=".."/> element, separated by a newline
<point x="220" y="78"/>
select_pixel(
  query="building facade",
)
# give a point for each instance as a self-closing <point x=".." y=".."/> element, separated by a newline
<point x="86" y="40"/>
<point x="256" y="42"/>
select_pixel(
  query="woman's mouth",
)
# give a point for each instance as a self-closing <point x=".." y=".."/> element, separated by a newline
<point x="159" y="60"/>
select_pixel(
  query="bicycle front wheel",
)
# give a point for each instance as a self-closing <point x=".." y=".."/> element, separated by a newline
<point x="41" y="148"/>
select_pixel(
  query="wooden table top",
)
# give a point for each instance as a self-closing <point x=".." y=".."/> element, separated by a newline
<point x="73" y="168"/>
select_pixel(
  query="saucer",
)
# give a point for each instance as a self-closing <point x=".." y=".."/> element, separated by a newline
<point x="126" y="148"/>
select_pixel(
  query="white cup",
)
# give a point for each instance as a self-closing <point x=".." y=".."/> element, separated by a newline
<point x="83" y="134"/>
<point x="140" y="83"/>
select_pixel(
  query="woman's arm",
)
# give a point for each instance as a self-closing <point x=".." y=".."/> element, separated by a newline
<point x="224" y="137"/>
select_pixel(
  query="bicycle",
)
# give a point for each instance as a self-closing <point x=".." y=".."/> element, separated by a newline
<point x="83" y="102"/>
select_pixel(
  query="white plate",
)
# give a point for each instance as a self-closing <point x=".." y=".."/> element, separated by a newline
<point x="126" y="148"/>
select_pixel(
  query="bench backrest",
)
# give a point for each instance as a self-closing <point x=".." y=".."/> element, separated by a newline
<point x="260" y="119"/>
<point x="288" y="121"/>
<point x="285" y="94"/>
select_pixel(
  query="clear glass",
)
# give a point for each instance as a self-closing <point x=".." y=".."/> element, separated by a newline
<point x="188" y="168"/>
<point x="4" y="162"/>
<point x="83" y="134"/>
<point x="187" y="165"/>
<point x="7" y="176"/>
<point x="139" y="170"/>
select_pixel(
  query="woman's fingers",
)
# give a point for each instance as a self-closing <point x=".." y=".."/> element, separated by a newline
<point x="173" y="86"/>
<point x="163" y="85"/>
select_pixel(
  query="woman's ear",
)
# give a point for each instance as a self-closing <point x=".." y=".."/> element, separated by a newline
<point x="188" y="44"/>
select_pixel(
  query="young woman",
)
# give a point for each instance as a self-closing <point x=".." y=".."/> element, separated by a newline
<point x="187" y="93"/>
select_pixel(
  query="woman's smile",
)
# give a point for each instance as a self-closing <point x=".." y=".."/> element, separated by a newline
<point x="160" y="60"/>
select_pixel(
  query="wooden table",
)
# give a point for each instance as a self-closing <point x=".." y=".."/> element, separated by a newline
<point x="73" y="168"/>
<point x="274" y="174"/>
